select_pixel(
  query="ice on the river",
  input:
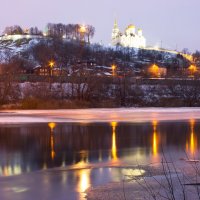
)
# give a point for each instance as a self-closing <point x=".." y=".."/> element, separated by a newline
<point x="99" y="115"/>
<point x="58" y="184"/>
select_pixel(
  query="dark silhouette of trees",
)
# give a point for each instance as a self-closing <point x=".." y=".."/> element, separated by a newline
<point x="13" y="30"/>
<point x="196" y="57"/>
<point x="43" y="53"/>
<point x="34" y="31"/>
<point x="17" y="30"/>
<point x="90" y="30"/>
<point x="70" y="31"/>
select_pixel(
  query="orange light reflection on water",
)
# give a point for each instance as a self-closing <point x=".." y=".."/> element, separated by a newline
<point x="83" y="174"/>
<point x="83" y="177"/>
<point x="52" y="147"/>
<point x="155" y="138"/>
<point x="114" y="142"/>
<point x="155" y="141"/>
<point x="9" y="170"/>
<point x="155" y="144"/>
<point x="52" y="125"/>
<point x="192" y="145"/>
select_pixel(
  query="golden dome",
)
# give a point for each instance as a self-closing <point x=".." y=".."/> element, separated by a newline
<point x="131" y="26"/>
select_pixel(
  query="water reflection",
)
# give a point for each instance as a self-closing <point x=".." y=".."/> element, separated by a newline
<point x="114" y="145"/>
<point x="155" y="138"/>
<point x="83" y="161"/>
<point x="191" y="144"/>
<point x="130" y="173"/>
<point x="83" y="179"/>
<point x="155" y="142"/>
<point x="9" y="170"/>
<point x="30" y="147"/>
<point x="52" y="125"/>
<point x="83" y="174"/>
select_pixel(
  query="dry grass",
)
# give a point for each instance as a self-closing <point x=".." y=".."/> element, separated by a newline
<point x="35" y="103"/>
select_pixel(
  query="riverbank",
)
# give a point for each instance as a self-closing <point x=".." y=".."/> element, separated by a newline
<point x="103" y="94"/>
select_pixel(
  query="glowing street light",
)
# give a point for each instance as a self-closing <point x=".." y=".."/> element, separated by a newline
<point x="114" y="67"/>
<point x="51" y="65"/>
<point x="154" y="70"/>
<point x="192" y="69"/>
<point x="82" y="29"/>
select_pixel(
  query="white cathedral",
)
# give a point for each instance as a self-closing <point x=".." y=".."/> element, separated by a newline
<point x="130" y="38"/>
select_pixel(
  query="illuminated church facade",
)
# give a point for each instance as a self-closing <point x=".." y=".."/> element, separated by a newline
<point x="130" y="38"/>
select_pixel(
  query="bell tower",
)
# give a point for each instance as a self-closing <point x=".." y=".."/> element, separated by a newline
<point x="115" y="34"/>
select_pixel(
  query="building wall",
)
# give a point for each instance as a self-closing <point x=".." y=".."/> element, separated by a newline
<point x="18" y="37"/>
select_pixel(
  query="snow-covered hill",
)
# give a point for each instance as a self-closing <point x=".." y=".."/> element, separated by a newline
<point x="11" y="46"/>
<point x="66" y="52"/>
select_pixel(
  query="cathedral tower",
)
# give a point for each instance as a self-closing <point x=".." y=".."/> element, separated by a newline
<point x="115" y="34"/>
<point x="140" y="32"/>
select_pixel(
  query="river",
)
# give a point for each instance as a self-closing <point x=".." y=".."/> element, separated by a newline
<point x="60" y="160"/>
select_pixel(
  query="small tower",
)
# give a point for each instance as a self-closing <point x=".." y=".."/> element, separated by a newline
<point x="141" y="39"/>
<point x="140" y="32"/>
<point x="115" y="34"/>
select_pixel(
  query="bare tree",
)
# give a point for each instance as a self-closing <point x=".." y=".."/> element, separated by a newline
<point x="90" y="30"/>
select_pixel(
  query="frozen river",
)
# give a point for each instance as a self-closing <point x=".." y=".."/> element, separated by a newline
<point x="99" y="115"/>
<point x="60" y="154"/>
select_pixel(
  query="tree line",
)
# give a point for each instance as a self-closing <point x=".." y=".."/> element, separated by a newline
<point x="71" y="31"/>
<point x="18" y="30"/>
<point x="68" y="31"/>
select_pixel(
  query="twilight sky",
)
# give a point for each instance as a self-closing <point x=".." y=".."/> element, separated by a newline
<point x="175" y="22"/>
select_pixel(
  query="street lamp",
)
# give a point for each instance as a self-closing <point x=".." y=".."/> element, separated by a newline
<point x="82" y="31"/>
<point x="114" y="67"/>
<point x="51" y="65"/>
<point x="192" y="69"/>
<point x="154" y="70"/>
